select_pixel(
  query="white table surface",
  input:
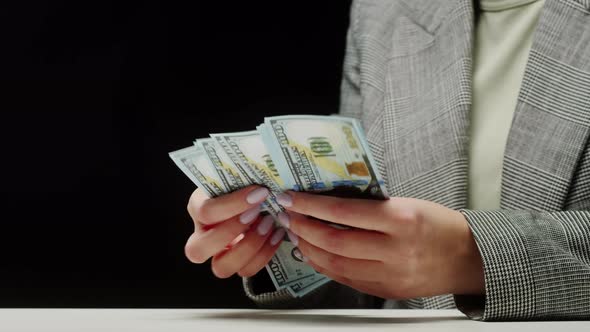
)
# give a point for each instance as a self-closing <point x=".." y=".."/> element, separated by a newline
<point x="219" y="320"/>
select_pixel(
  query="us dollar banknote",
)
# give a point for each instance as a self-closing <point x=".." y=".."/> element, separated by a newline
<point x="287" y="270"/>
<point x="248" y="152"/>
<point x="227" y="171"/>
<point x="195" y="164"/>
<point x="323" y="154"/>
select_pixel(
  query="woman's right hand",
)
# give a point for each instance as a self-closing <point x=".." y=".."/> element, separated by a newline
<point x="229" y="228"/>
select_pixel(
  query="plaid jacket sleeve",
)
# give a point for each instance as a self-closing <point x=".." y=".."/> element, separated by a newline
<point x="329" y="296"/>
<point x="536" y="265"/>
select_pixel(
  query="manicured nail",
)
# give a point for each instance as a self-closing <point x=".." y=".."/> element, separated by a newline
<point x="297" y="253"/>
<point x="284" y="200"/>
<point x="277" y="236"/>
<point x="265" y="225"/>
<point x="257" y="195"/>
<point x="294" y="238"/>
<point x="284" y="219"/>
<point x="249" y="216"/>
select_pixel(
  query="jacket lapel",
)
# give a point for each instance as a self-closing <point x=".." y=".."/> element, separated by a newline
<point x="427" y="101"/>
<point x="551" y="123"/>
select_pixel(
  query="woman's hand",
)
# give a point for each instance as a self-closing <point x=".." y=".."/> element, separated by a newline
<point x="400" y="248"/>
<point x="229" y="229"/>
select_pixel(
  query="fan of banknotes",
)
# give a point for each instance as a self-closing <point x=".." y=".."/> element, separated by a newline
<point x="327" y="155"/>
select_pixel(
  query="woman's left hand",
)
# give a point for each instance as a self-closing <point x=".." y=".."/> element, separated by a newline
<point x="399" y="248"/>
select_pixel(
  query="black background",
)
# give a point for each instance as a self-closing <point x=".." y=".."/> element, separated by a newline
<point x="94" y="96"/>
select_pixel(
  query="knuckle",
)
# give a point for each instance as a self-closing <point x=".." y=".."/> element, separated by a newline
<point x="195" y="254"/>
<point x="407" y="217"/>
<point x="192" y="203"/>
<point x="220" y="270"/>
<point x="333" y="240"/>
<point x="340" y="209"/>
<point x="411" y="253"/>
<point x="245" y="273"/>
<point x="249" y="271"/>
<point x="405" y="220"/>
<point x="405" y="285"/>
<point x="305" y="203"/>
<point x="320" y="269"/>
<point x="300" y="202"/>
<point x="189" y="207"/>
<point x="196" y="205"/>
<point x="205" y="212"/>
<point x="335" y="264"/>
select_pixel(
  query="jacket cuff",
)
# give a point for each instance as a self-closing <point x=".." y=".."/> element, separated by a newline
<point x="328" y="296"/>
<point x="508" y="278"/>
<point x="268" y="300"/>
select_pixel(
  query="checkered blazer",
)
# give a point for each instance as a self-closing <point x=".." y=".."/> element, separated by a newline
<point x="407" y="77"/>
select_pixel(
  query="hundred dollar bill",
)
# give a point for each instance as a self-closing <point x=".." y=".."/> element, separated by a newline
<point x="287" y="270"/>
<point x="323" y="154"/>
<point x="248" y="152"/>
<point x="252" y="156"/>
<point x="231" y="177"/>
<point x="304" y="287"/>
<point x="304" y="153"/>
<point x="195" y="164"/>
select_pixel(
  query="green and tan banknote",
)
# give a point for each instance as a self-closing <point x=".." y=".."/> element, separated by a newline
<point x="326" y="154"/>
<point x="248" y="153"/>
<point x="215" y="171"/>
<point x="226" y="170"/>
<point x="323" y="154"/>
<point x="287" y="270"/>
<point x="195" y="164"/>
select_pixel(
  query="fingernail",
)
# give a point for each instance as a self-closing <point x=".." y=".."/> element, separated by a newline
<point x="294" y="238"/>
<point x="284" y="219"/>
<point x="298" y="253"/>
<point x="257" y="195"/>
<point x="277" y="236"/>
<point x="284" y="200"/>
<point x="249" y="216"/>
<point x="265" y="225"/>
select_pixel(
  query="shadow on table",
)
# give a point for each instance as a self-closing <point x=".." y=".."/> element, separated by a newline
<point x="318" y="318"/>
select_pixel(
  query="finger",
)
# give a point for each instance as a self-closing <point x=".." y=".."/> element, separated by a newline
<point x="197" y="195"/>
<point x="360" y="213"/>
<point x="367" y="287"/>
<point x="213" y="210"/>
<point x="356" y="269"/>
<point x="235" y="241"/>
<point x="227" y="263"/>
<point x="201" y="246"/>
<point x="352" y="243"/>
<point x="262" y="257"/>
